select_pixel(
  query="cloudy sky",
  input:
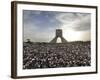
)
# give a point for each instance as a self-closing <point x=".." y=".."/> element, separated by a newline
<point x="40" y="26"/>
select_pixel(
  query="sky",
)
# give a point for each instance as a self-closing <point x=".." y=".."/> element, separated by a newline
<point x="40" y="26"/>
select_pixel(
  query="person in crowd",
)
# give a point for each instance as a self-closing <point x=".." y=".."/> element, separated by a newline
<point x="46" y="55"/>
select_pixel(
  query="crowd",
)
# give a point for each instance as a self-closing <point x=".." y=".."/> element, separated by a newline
<point x="48" y="55"/>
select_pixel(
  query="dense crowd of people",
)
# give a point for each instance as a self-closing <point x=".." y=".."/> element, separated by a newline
<point x="48" y="55"/>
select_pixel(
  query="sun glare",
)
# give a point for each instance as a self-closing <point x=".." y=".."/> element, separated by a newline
<point x="71" y="35"/>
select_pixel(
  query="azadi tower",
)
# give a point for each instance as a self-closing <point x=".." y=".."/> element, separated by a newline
<point x="60" y="35"/>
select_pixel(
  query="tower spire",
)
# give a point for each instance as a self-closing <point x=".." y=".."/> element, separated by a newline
<point x="58" y="34"/>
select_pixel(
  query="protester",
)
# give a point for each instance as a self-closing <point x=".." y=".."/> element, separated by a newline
<point x="48" y="55"/>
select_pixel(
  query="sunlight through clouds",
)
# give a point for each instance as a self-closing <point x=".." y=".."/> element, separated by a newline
<point x="41" y="25"/>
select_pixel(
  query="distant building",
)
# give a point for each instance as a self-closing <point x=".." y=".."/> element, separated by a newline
<point x="58" y="35"/>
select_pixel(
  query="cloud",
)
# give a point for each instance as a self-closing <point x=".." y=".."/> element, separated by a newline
<point x="40" y="26"/>
<point x="84" y="24"/>
<point x="75" y="21"/>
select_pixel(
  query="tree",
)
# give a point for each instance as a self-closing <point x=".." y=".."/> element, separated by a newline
<point x="28" y="40"/>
